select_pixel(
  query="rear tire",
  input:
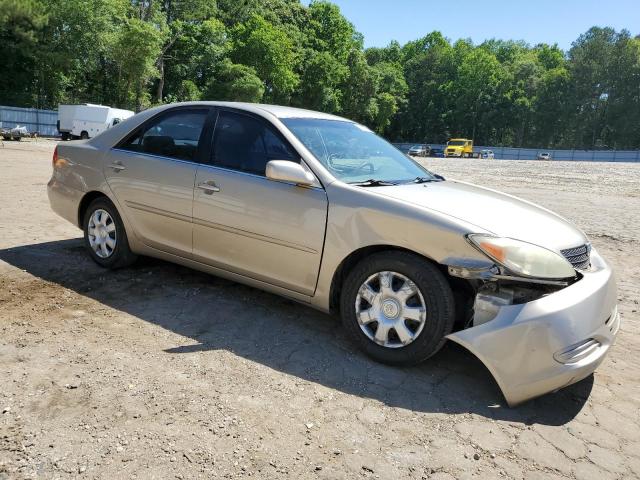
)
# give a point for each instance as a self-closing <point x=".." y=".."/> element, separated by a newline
<point x="414" y="325"/>
<point x="105" y="236"/>
<point x="84" y="135"/>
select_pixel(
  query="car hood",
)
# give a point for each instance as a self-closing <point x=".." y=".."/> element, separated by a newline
<point x="498" y="213"/>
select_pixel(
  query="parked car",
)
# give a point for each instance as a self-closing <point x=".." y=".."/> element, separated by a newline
<point x="544" y="156"/>
<point x="319" y="209"/>
<point x="420" y="151"/>
<point x="437" y="152"/>
<point x="487" y="154"/>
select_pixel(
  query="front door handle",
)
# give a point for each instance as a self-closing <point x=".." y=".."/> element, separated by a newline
<point x="208" y="187"/>
<point x="117" y="166"/>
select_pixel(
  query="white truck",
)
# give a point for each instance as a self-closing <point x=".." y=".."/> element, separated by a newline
<point x="88" y="120"/>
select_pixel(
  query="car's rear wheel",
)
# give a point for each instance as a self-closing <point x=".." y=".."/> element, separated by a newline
<point x="397" y="307"/>
<point x="105" y="236"/>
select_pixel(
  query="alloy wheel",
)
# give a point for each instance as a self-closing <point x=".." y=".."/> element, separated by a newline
<point x="390" y="309"/>
<point x="102" y="233"/>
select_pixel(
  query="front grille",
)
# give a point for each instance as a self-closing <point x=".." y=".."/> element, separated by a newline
<point x="578" y="256"/>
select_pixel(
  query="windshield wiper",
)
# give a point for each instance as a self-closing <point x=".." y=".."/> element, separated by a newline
<point x="436" y="178"/>
<point x="372" y="182"/>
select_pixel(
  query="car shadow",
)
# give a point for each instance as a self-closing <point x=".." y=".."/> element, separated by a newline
<point x="222" y="315"/>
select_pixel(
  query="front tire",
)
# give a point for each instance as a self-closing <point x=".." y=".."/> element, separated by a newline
<point x="397" y="307"/>
<point x="105" y="236"/>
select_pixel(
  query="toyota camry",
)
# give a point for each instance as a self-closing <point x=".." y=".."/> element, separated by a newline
<point x="319" y="209"/>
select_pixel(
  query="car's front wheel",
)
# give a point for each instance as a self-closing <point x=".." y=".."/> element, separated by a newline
<point x="105" y="236"/>
<point x="397" y="307"/>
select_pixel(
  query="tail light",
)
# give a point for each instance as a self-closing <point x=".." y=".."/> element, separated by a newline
<point x="54" y="161"/>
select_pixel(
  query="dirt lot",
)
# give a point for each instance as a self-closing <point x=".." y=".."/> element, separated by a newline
<point x="158" y="371"/>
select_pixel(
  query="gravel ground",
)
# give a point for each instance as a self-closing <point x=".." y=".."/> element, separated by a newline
<point x="158" y="371"/>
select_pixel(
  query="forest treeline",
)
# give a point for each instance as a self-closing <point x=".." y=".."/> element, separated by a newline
<point x="138" y="53"/>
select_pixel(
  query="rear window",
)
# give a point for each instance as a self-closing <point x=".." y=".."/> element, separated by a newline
<point x="174" y="135"/>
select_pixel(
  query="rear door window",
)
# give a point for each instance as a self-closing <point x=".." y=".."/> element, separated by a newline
<point x="175" y="135"/>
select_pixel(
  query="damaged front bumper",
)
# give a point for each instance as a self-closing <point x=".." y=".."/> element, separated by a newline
<point x="540" y="346"/>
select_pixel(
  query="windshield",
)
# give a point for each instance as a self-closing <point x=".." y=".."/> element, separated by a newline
<point x="456" y="143"/>
<point x="353" y="153"/>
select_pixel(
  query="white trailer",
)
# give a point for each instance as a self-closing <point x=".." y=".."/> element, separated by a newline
<point x="88" y="120"/>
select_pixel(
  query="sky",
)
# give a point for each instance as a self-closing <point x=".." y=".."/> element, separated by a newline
<point x="535" y="21"/>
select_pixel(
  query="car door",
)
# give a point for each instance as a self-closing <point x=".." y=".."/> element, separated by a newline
<point x="152" y="173"/>
<point x="245" y="223"/>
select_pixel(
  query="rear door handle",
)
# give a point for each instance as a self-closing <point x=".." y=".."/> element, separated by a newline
<point x="209" y="187"/>
<point x="117" y="166"/>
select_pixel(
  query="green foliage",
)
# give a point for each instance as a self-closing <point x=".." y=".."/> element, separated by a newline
<point x="135" y="53"/>
<point x="261" y="45"/>
<point x="329" y="31"/>
<point x="196" y="53"/>
<point x="20" y="23"/>
<point x="359" y="89"/>
<point x="237" y="83"/>
<point x="135" y="50"/>
<point x="320" y="83"/>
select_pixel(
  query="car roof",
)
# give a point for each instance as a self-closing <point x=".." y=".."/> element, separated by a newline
<point x="278" y="111"/>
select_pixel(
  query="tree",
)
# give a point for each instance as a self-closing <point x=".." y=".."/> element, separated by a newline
<point x="72" y="55"/>
<point x="472" y="90"/>
<point x="260" y="45"/>
<point x="391" y="93"/>
<point x="429" y="66"/>
<point x="181" y="18"/>
<point x="235" y="82"/>
<point x="392" y="53"/>
<point x="589" y="61"/>
<point x="551" y="106"/>
<point x="623" y="101"/>
<point x="135" y="50"/>
<point x="21" y="22"/>
<point x="359" y="89"/>
<point x="320" y="83"/>
<point x="329" y="31"/>
<point x="196" y="55"/>
<point x="135" y="53"/>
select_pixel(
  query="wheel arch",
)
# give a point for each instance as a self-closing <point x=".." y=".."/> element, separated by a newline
<point x="351" y="260"/>
<point x="86" y="201"/>
<point x="463" y="291"/>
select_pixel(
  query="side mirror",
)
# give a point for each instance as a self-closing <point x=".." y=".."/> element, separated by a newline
<point x="286" y="171"/>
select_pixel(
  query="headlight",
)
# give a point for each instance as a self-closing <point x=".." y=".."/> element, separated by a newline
<point x="523" y="258"/>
